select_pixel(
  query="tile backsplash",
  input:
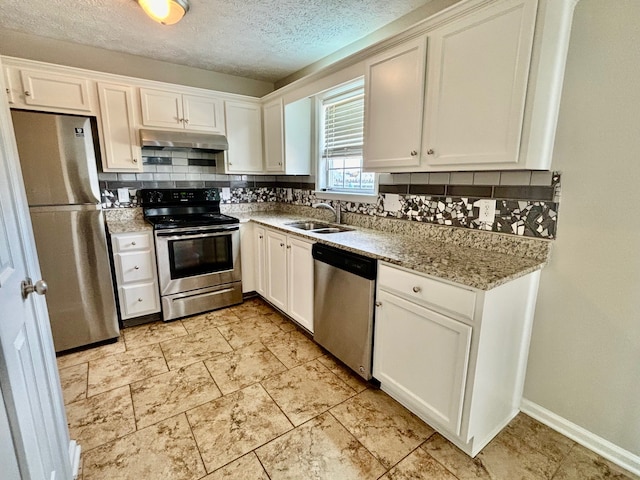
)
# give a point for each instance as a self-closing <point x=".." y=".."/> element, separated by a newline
<point x="526" y="201"/>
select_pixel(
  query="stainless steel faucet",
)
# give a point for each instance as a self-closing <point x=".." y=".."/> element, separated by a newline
<point x="336" y="211"/>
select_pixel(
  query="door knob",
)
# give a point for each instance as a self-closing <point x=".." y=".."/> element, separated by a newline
<point x="28" y="287"/>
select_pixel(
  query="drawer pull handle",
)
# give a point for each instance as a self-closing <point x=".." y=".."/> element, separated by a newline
<point x="140" y="300"/>
<point x="136" y="267"/>
<point x="417" y="289"/>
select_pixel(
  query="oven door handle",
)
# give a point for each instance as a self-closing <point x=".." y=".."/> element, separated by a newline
<point x="188" y="236"/>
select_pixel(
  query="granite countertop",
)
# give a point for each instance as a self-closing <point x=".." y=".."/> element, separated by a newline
<point x="477" y="268"/>
<point x="471" y="267"/>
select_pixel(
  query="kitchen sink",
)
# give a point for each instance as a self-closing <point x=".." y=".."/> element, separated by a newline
<point x="318" y="227"/>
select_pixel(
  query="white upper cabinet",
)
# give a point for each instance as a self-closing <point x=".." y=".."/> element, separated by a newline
<point x="477" y="78"/>
<point x="394" y="89"/>
<point x="121" y="147"/>
<point x="48" y="90"/>
<point x="287" y="137"/>
<point x="171" y="109"/>
<point x="273" y="128"/>
<point x="244" y="134"/>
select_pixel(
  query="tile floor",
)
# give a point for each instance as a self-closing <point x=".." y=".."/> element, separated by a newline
<point x="242" y="394"/>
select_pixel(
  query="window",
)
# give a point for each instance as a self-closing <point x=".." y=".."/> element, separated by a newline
<point x="341" y="139"/>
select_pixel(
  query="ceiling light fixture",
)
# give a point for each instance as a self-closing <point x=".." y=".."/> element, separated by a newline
<point x="167" y="12"/>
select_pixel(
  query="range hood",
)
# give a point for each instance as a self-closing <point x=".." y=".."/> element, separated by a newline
<point x="167" y="138"/>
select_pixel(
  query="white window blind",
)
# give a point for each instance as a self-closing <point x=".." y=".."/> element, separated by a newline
<point x="342" y="140"/>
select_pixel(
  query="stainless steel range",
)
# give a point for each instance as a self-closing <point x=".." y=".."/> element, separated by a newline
<point x="198" y="250"/>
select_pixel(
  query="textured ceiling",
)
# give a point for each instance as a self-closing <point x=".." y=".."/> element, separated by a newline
<point x="261" y="39"/>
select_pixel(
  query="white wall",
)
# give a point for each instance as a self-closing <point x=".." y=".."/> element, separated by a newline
<point x="584" y="363"/>
<point x="17" y="44"/>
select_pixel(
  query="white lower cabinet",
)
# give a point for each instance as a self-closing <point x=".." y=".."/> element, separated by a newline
<point x="284" y="273"/>
<point x="136" y="275"/>
<point x="459" y="369"/>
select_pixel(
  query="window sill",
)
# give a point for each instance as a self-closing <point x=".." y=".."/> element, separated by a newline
<point x="347" y="197"/>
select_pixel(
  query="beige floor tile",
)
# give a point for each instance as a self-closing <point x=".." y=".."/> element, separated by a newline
<point x="248" y="330"/>
<point x="244" y="468"/>
<point x="213" y="319"/>
<point x="100" y="419"/>
<point x="584" y="464"/>
<point x="74" y="382"/>
<point x="227" y="428"/>
<point x="320" y="449"/>
<point x="540" y="437"/>
<point x="193" y="348"/>
<point x="292" y="348"/>
<point x="171" y="393"/>
<point x="381" y="424"/>
<point x="164" y="451"/>
<point x="251" y="308"/>
<point x="113" y="371"/>
<point x="151" y="333"/>
<point x="282" y="322"/>
<point x="84" y="356"/>
<point x="505" y="457"/>
<point x="243" y="367"/>
<point x="306" y="391"/>
<point x="419" y="465"/>
<point x="343" y="373"/>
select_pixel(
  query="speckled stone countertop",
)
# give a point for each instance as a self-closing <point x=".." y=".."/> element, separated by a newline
<point x="125" y="220"/>
<point x="472" y="267"/>
<point x="474" y="259"/>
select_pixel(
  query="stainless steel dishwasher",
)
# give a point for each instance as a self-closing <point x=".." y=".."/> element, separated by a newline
<point x="344" y="289"/>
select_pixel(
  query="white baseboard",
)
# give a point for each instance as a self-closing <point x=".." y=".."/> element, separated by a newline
<point x="602" y="447"/>
<point x="74" y="458"/>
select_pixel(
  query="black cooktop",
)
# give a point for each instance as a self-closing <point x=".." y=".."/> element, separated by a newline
<point x="178" y="208"/>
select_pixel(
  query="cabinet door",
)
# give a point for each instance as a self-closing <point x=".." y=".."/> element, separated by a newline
<point x="203" y="113"/>
<point x="244" y="134"/>
<point x="273" y="137"/>
<point x="121" y="144"/>
<point x="477" y="82"/>
<point x="260" y="245"/>
<point x="52" y="90"/>
<point x="394" y="93"/>
<point x="297" y="137"/>
<point x="161" y="108"/>
<point x="276" y="269"/>
<point x="300" y="278"/>
<point x="420" y="358"/>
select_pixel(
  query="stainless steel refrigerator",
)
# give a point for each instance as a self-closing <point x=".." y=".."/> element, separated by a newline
<point x="58" y="161"/>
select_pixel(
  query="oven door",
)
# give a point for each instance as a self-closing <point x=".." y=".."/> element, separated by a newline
<point x="197" y="258"/>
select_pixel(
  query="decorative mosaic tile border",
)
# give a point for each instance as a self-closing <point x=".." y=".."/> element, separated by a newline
<point x="523" y="218"/>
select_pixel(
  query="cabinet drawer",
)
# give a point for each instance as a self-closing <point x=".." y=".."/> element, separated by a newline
<point x="440" y="296"/>
<point x="133" y="241"/>
<point x="139" y="299"/>
<point x="134" y="266"/>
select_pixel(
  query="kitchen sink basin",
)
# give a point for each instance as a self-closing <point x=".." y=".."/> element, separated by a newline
<point x="318" y="227"/>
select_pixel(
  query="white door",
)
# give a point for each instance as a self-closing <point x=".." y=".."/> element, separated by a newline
<point x="28" y="374"/>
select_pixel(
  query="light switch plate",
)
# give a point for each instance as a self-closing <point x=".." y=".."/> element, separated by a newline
<point x="391" y="202"/>
<point x="225" y="194"/>
<point x="123" y="195"/>
<point x="487" y="210"/>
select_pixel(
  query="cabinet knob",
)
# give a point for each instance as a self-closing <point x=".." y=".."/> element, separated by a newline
<point x="260" y="237"/>
<point x="230" y="163"/>
<point x="136" y="267"/>
<point x="27" y="93"/>
<point x="378" y="304"/>
<point x="417" y="289"/>
<point x="7" y="90"/>
<point x="140" y="300"/>
<point x="288" y="246"/>
<point x="280" y="163"/>
<point x="282" y="244"/>
<point x="133" y="243"/>
<point x="414" y="153"/>
<point x="134" y="160"/>
<point x="185" y="120"/>
<point x="430" y="151"/>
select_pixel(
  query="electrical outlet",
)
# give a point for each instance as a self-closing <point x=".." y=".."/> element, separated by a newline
<point x="487" y="211"/>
